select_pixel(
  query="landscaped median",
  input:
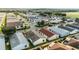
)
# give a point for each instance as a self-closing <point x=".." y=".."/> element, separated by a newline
<point x="3" y="23"/>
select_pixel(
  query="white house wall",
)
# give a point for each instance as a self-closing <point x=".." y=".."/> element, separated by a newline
<point x="74" y="31"/>
<point x="19" y="47"/>
<point x="53" y="37"/>
<point x="39" y="41"/>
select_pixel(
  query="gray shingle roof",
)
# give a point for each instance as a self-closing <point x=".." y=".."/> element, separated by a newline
<point x="76" y="27"/>
<point x="18" y="39"/>
<point x="66" y="28"/>
<point x="31" y="35"/>
<point x="14" y="41"/>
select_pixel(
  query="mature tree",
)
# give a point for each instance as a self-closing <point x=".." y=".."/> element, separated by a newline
<point x="38" y="23"/>
<point x="60" y="14"/>
<point x="42" y="22"/>
<point x="77" y="20"/>
<point x="16" y="13"/>
<point x="49" y="13"/>
<point x="64" y="19"/>
<point x="42" y="14"/>
<point x="7" y="31"/>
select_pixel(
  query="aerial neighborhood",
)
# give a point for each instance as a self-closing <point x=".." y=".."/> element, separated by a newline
<point x="39" y="29"/>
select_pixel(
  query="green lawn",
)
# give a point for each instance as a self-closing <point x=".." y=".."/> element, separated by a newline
<point x="3" y="22"/>
<point x="73" y="14"/>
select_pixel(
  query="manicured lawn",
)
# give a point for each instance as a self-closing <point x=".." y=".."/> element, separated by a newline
<point x="3" y="22"/>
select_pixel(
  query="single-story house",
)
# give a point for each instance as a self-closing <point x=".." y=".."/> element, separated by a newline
<point x="18" y="41"/>
<point x="73" y="26"/>
<point x="35" y="40"/>
<point x="71" y="30"/>
<point x="73" y="42"/>
<point x="12" y="21"/>
<point x="59" y="31"/>
<point x="48" y="35"/>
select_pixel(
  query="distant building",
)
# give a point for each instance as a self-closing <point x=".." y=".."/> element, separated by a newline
<point x="31" y="14"/>
<point x="70" y="21"/>
<point x="18" y="41"/>
<point x="34" y="19"/>
<point x="2" y="43"/>
<point x="73" y="26"/>
<point x="59" y="46"/>
<point x="12" y="21"/>
<point x="34" y="38"/>
<point x="55" y="19"/>
<point x="59" y="31"/>
<point x="47" y="34"/>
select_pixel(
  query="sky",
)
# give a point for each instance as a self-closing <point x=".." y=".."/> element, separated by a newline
<point x="39" y="3"/>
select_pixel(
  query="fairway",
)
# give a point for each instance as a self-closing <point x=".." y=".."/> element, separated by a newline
<point x="73" y="14"/>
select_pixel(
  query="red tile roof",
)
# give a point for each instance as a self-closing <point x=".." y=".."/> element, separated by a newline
<point x="59" y="46"/>
<point x="74" y="42"/>
<point x="46" y="32"/>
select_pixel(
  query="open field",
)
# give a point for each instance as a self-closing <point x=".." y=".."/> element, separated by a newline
<point x="73" y="14"/>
